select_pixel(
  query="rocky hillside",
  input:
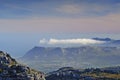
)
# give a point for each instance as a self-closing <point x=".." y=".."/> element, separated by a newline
<point x="69" y="73"/>
<point x="10" y="69"/>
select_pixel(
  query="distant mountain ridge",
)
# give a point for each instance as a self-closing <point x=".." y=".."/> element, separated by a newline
<point x="103" y="39"/>
<point x="109" y="41"/>
<point x="52" y="58"/>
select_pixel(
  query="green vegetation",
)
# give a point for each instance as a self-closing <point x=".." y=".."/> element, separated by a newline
<point x="1" y="70"/>
<point x="102" y="75"/>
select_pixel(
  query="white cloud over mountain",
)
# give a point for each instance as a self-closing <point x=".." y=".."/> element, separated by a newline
<point x="70" y="41"/>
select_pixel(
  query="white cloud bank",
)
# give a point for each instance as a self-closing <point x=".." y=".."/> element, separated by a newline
<point x="71" y="41"/>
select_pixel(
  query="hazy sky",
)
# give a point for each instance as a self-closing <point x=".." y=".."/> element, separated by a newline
<point x="57" y="16"/>
<point x="23" y="23"/>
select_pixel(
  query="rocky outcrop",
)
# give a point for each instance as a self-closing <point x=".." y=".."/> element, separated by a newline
<point x="10" y="69"/>
<point x="69" y="73"/>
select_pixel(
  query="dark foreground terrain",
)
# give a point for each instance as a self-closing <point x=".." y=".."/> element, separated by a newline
<point x="10" y="69"/>
<point x="69" y="73"/>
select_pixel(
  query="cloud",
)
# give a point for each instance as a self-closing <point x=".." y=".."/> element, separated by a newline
<point x="49" y="17"/>
<point x="88" y="9"/>
<point x="70" y="41"/>
<point x="71" y="9"/>
<point x="58" y="8"/>
<point x="16" y="7"/>
<point x="105" y="24"/>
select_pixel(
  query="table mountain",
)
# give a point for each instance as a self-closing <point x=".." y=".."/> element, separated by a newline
<point x="52" y="58"/>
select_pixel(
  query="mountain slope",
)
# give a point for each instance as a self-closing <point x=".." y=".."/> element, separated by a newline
<point x="10" y="69"/>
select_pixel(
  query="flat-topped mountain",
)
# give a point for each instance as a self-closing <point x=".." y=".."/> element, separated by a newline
<point x="52" y="58"/>
<point x="10" y="69"/>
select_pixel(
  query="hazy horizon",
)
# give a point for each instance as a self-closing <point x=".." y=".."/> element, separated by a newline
<point x="18" y="44"/>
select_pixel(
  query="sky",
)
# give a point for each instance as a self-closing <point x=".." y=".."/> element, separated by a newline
<point x="24" y="22"/>
<point x="60" y="16"/>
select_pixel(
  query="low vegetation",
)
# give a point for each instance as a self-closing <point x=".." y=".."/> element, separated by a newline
<point x="86" y="74"/>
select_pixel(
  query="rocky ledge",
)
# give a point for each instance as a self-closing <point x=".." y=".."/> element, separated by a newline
<point x="10" y="69"/>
